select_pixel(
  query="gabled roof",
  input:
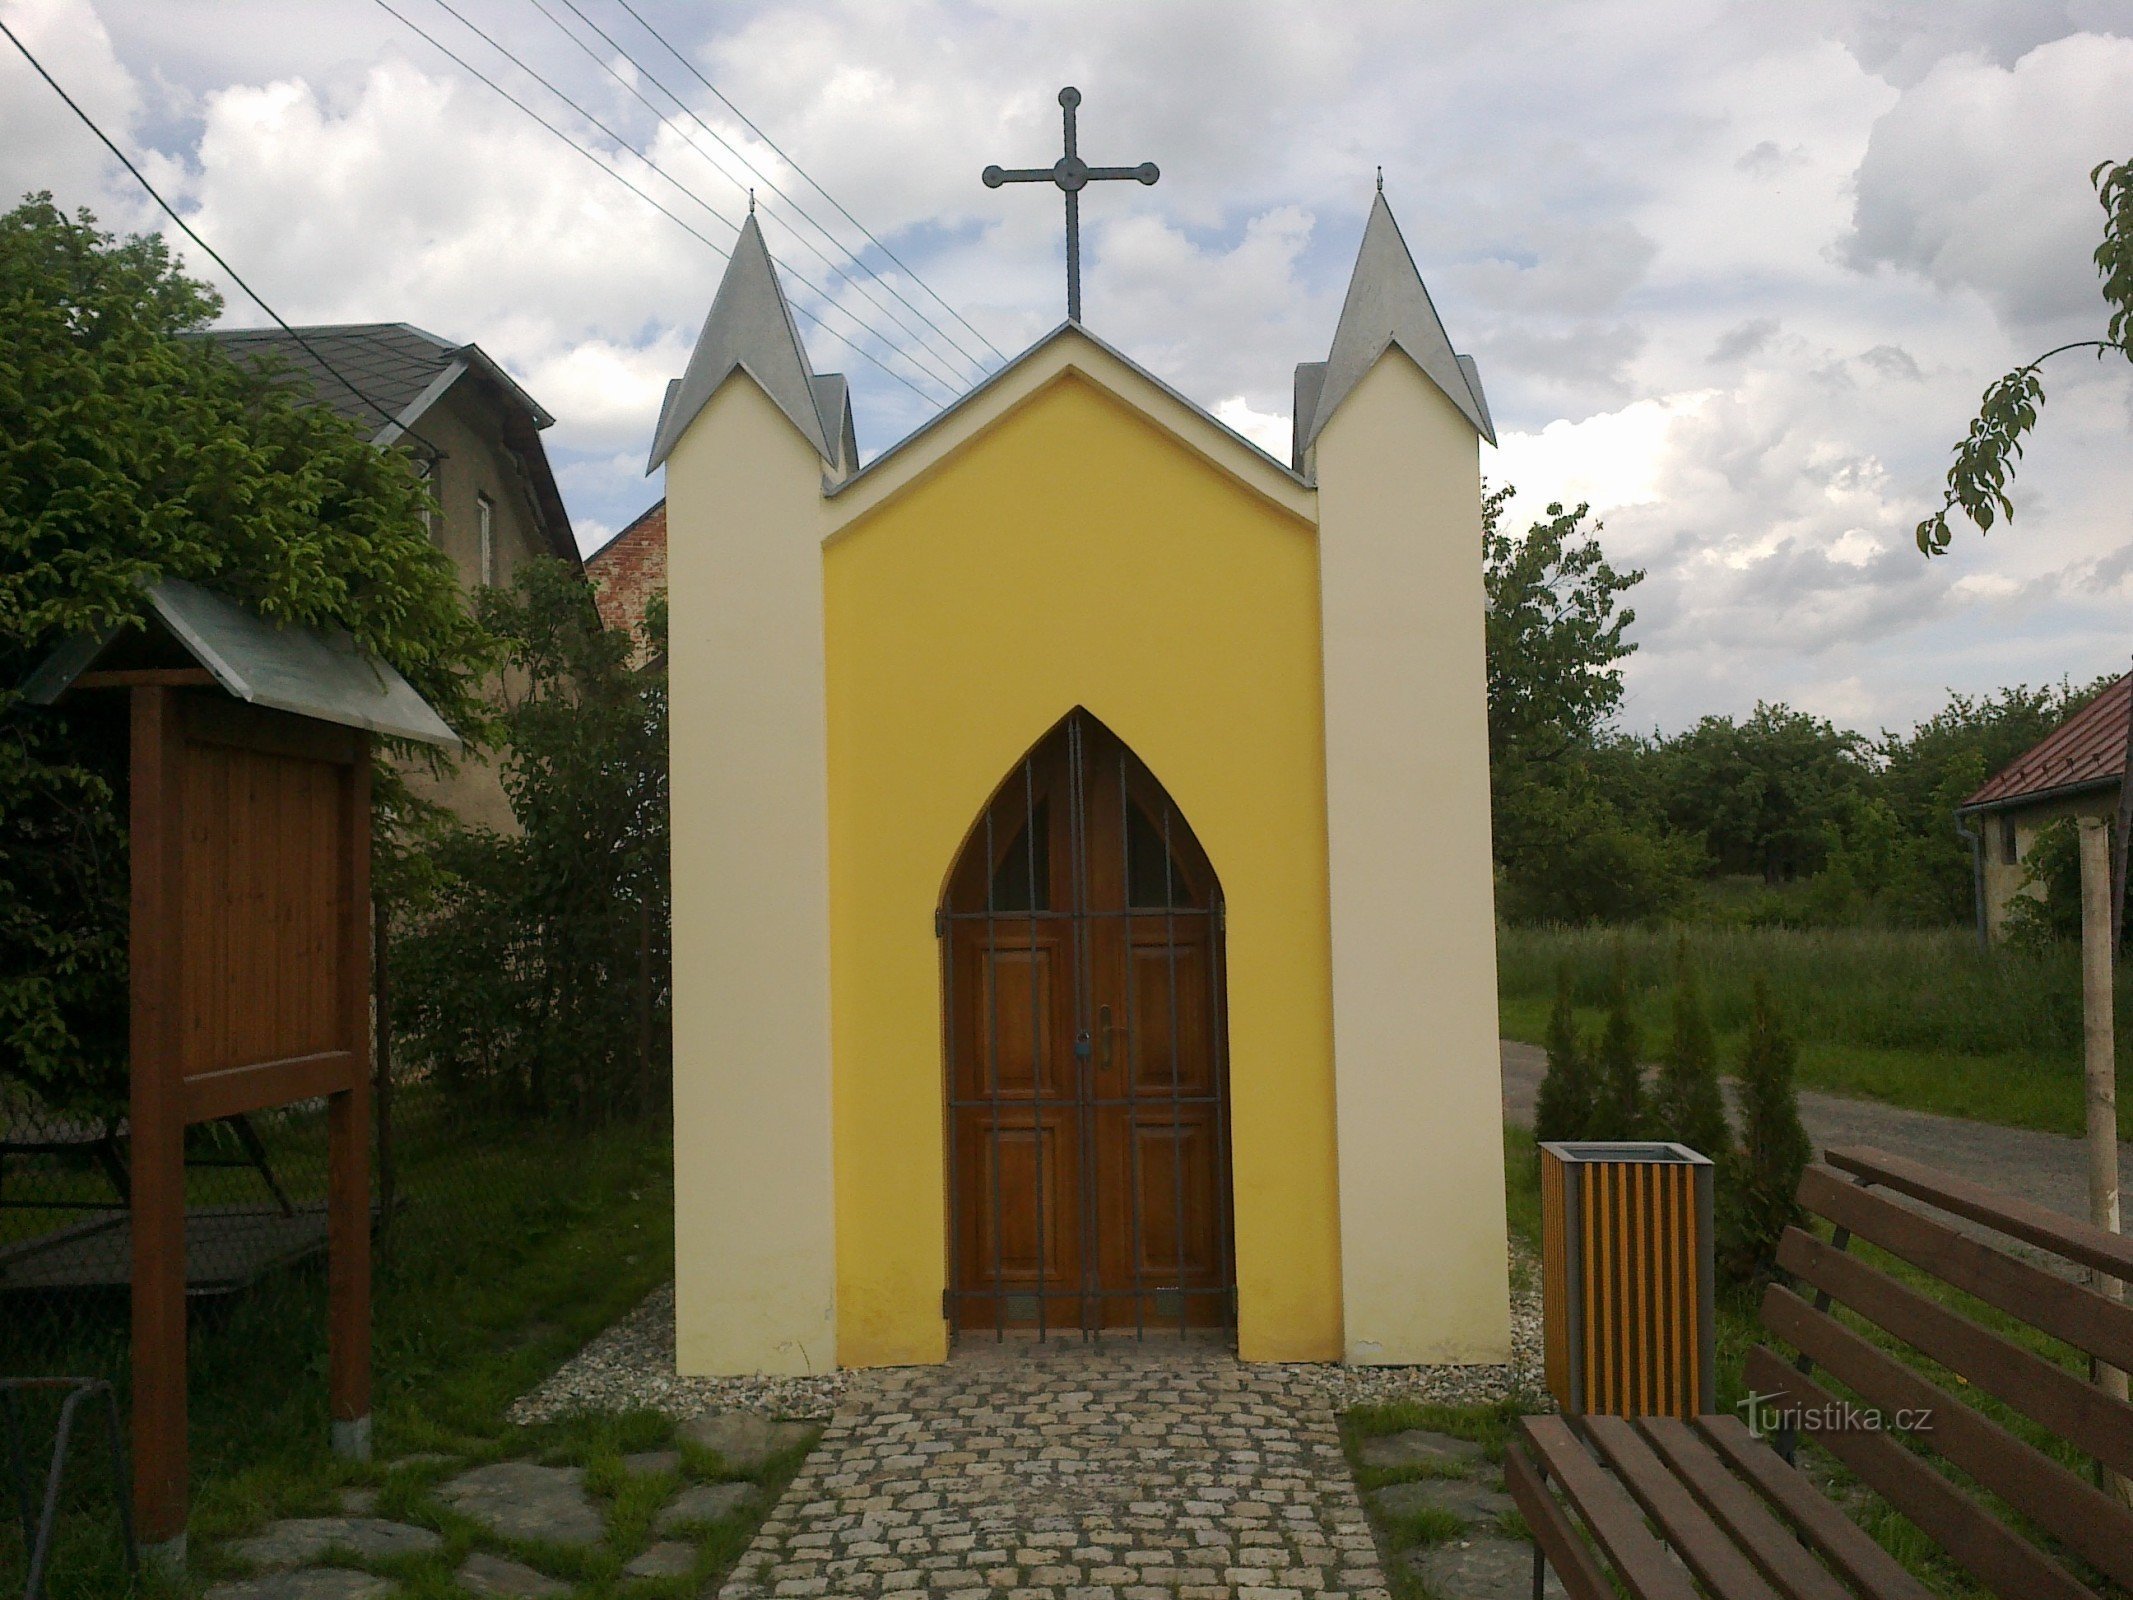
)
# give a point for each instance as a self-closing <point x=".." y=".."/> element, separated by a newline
<point x="751" y="328"/>
<point x="2086" y="751"/>
<point x="311" y="672"/>
<point x="1386" y="305"/>
<point x="1112" y="369"/>
<point x="401" y="371"/>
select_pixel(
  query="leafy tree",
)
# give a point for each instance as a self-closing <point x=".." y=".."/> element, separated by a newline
<point x="1555" y="633"/>
<point x="1563" y="1108"/>
<point x="1764" y="793"/>
<point x="1763" y="1176"/>
<point x="1984" y="461"/>
<point x="1556" y="640"/>
<point x="1570" y="855"/>
<point x="1688" y="1104"/>
<point x="1618" y="1086"/>
<point x="130" y="452"/>
<point x="535" y="976"/>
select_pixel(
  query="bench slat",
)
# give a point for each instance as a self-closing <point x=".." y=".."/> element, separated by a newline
<point x="1700" y="1543"/>
<point x="1842" y="1542"/>
<point x="1606" y="1508"/>
<point x="1993" y="1553"/>
<point x="2049" y="1395"/>
<point x="2089" y="1521"/>
<point x="1734" y="1506"/>
<point x="2053" y="1304"/>
<point x="2091" y="1246"/>
<point x="1553" y="1530"/>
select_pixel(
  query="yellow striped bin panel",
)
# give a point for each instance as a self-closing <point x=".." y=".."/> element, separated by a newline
<point x="1626" y="1278"/>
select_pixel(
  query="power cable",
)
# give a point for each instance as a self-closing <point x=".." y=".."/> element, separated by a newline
<point x="702" y="204"/>
<point x="775" y="188"/>
<point x="212" y="253"/>
<point x="691" y="68"/>
<point x="723" y="171"/>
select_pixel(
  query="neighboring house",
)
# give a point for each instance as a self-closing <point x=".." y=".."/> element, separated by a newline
<point x="2073" y="771"/>
<point x="627" y="571"/>
<point x="473" y="433"/>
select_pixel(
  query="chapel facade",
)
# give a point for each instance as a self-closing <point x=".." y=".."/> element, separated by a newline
<point x="1083" y="914"/>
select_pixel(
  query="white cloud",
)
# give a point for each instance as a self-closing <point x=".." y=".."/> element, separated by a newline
<point x="1978" y="178"/>
<point x="1736" y="275"/>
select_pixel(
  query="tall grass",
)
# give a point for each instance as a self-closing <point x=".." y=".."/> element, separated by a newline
<point x="1919" y="1017"/>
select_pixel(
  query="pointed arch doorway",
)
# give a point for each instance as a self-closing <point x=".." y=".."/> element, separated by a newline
<point x="1087" y="1069"/>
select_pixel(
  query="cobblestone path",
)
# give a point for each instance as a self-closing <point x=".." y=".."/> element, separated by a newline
<point x="1065" y="1471"/>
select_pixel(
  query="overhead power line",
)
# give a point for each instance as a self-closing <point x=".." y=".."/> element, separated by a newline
<point x="688" y="193"/>
<point x="691" y="68"/>
<point x="211" y="252"/>
<point x="771" y="183"/>
<point x="798" y="238"/>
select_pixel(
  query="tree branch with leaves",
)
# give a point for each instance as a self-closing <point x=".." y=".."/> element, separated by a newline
<point x="1985" y="460"/>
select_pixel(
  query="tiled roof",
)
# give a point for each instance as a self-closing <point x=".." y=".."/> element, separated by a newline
<point x="391" y="363"/>
<point x="385" y="375"/>
<point x="2087" y="749"/>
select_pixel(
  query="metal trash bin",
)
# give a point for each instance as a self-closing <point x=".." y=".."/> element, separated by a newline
<point x="1627" y="1282"/>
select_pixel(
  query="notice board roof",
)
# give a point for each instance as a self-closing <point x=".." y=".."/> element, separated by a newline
<point x="309" y="672"/>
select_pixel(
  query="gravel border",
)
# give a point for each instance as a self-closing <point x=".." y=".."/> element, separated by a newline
<point x="630" y="1367"/>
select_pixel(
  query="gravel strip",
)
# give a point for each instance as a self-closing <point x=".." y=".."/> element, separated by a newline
<point x="630" y="1367"/>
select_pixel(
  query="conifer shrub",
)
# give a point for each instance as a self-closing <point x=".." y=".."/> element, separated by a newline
<point x="1759" y="1180"/>
<point x="1563" y="1109"/>
<point x="1688" y="1106"/>
<point x="1618" y="1082"/>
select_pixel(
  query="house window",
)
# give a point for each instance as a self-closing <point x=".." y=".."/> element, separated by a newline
<point x="2010" y="853"/>
<point x="485" y="520"/>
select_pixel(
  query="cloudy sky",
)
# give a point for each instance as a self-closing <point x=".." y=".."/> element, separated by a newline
<point x="1735" y="274"/>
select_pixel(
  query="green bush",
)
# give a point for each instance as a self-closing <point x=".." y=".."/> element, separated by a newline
<point x="2047" y="911"/>
<point x="1563" y="1107"/>
<point x="1760" y="1179"/>
<point x="1618" y="1082"/>
<point x="1688" y="1104"/>
<point x="533" y="971"/>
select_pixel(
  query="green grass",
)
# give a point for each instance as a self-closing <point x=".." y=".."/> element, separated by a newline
<point x="1917" y="1018"/>
<point x="518" y="1245"/>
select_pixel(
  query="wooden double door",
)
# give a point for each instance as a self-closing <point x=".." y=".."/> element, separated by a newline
<point x="1087" y="1076"/>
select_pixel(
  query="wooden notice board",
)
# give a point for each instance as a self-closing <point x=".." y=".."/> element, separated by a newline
<point x="250" y="950"/>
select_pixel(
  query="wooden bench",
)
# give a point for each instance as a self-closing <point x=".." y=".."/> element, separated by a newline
<point x="1673" y="1508"/>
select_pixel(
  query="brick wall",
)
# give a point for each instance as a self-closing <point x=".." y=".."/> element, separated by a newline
<point x="629" y="569"/>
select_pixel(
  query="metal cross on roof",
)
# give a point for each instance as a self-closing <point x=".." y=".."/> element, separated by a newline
<point x="1071" y="173"/>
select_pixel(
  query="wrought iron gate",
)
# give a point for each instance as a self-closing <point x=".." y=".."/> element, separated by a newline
<point x="1087" y="1059"/>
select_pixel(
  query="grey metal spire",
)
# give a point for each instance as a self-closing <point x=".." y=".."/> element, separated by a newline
<point x="1387" y="305"/>
<point x="750" y="327"/>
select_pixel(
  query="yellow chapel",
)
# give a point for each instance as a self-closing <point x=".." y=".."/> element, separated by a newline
<point x="1083" y="914"/>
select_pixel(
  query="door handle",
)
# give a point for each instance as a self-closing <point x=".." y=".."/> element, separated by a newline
<point x="1103" y="1034"/>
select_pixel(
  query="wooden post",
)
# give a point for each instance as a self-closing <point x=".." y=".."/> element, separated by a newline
<point x="157" y="1124"/>
<point x="348" y="1158"/>
<point x="2100" y="1067"/>
<point x="381" y="988"/>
